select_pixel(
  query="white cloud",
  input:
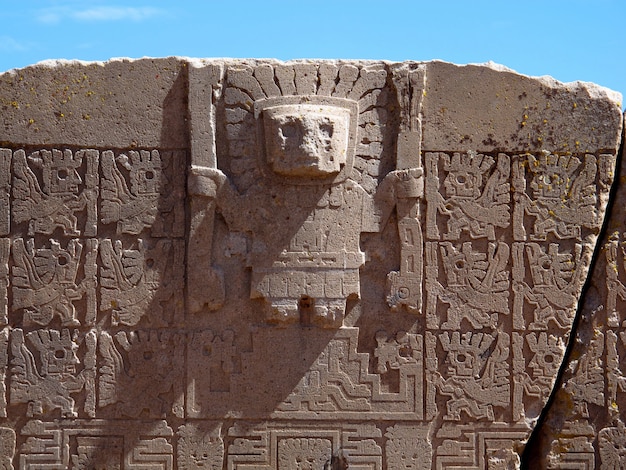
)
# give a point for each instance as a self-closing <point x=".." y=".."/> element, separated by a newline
<point x="115" y="13"/>
<point x="98" y="13"/>
<point x="8" y="44"/>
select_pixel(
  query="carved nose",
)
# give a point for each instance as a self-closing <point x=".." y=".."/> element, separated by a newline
<point x="308" y="145"/>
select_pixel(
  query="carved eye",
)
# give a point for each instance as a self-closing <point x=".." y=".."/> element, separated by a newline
<point x="461" y="358"/>
<point x="548" y="358"/>
<point x="149" y="175"/>
<point x="289" y="130"/>
<point x="62" y="173"/>
<point x="59" y="353"/>
<point x="461" y="179"/>
<point x="62" y="260"/>
<point x="546" y="264"/>
<point x="460" y="264"/>
<point x="327" y="130"/>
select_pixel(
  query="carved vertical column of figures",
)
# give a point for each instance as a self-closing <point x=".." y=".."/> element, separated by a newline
<point x="502" y="285"/>
<point x="467" y="267"/>
<point x="91" y="241"/>
<point x="142" y="263"/>
<point x="592" y="398"/>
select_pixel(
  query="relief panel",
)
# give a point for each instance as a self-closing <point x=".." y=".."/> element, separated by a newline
<point x="141" y="374"/>
<point x="547" y="281"/>
<point x="144" y="189"/>
<point x="536" y="361"/>
<point x="408" y="447"/>
<point x="467" y="194"/>
<point x="96" y="443"/>
<point x="56" y="189"/>
<point x="288" y="446"/>
<point x="142" y="281"/>
<point x="53" y="370"/>
<point x="200" y="446"/>
<point x="557" y="195"/>
<point x="54" y="281"/>
<point x="474" y="381"/>
<point x="473" y="283"/>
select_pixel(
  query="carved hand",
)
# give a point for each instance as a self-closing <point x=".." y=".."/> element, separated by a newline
<point x="408" y="183"/>
<point x="206" y="181"/>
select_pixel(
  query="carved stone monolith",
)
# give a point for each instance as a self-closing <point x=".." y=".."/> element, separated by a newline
<point x="211" y="264"/>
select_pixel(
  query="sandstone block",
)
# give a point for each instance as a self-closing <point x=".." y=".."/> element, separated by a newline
<point x="311" y="264"/>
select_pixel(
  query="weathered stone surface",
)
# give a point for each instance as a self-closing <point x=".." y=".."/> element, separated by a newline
<point x="118" y="104"/>
<point x="342" y="264"/>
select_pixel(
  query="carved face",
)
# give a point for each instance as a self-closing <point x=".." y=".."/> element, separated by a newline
<point x="462" y="183"/>
<point x="303" y="453"/>
<point x="145" y="180"/>
<point x="306" y="139"/>
<point x="149" y="360"/>
<point x="464" y="362"/>
<point x="60" y="359"/>
<point x="64" y="179"/>
<point x="408" y="454"/>
<point x="550" y="184"/>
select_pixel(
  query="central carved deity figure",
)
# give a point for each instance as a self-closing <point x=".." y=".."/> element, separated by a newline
<point x="306" y="214"/>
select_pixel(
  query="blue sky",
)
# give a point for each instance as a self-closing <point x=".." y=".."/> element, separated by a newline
<point x="568" y="39"/>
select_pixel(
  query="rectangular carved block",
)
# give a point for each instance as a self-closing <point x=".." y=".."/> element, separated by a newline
<point x="316" y="264"/>
<point x="129" y="445"/>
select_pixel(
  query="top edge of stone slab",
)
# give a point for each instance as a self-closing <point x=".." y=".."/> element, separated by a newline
<point x="486" y="108"/>
<point x="125" y="102"/>
<point x="600" y="90"/>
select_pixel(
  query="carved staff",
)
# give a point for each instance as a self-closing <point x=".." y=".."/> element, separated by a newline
<point x="405" y="286"/>
<point x="205" y="284"/>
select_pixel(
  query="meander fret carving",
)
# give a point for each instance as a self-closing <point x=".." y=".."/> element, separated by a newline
<point x="475" y="447"/>
<point x="96" y="443"/>
<point x="296" y="176"/>
<point x="289" y="446"/>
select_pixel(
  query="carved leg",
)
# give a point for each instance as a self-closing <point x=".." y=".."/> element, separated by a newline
<point x="282" y="311"/>
<point x="329" y="313"/>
